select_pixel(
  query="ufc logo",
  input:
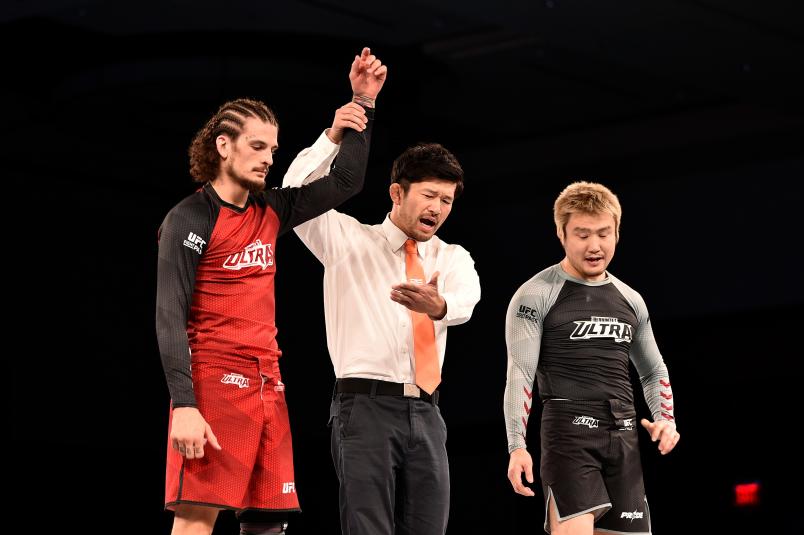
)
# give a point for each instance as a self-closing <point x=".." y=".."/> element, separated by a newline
<point x="196" y="239"/>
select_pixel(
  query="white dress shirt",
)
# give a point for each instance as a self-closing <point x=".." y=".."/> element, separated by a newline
<point x="368" y="334"/>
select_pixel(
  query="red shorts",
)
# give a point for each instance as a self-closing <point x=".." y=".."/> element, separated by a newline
<point x="245" y="407"/>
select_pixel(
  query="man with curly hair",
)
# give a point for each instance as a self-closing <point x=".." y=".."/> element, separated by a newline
<point x="229" y="444"/>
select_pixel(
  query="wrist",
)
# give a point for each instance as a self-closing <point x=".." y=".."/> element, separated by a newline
<point x="364" y="100"/>
<point x="333" y="135"/>
<point x="183" y="409"/>
<point x="441" y="311"/>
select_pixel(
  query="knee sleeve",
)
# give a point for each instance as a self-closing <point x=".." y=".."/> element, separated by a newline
<point x="263" y="523"/>
<point x="263" y="528"/>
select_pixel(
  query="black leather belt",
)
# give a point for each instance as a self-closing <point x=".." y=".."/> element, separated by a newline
<point x="357" y="385"/>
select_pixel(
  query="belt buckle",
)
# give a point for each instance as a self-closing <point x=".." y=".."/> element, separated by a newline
<point x="411" y="391"/>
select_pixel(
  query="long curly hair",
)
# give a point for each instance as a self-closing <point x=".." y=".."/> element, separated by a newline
<point x="229" y="120"/>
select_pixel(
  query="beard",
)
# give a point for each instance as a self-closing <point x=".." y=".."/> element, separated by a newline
<point x="253" y="186"/>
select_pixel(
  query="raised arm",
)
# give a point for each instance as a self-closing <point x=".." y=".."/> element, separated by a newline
<point x="352" y="129"/>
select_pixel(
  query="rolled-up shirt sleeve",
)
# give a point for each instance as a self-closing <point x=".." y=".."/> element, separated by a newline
<point x="461" y="288"/>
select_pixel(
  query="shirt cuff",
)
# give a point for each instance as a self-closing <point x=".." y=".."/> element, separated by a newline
<point x="453" y="312"/>
<point x="321" y="153"/>
<point x="324" y="145"/>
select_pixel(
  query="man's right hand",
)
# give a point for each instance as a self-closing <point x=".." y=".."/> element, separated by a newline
<point x="350" y="115"/>
<point x="189" y="432"/>
<point x="520" y="462"/>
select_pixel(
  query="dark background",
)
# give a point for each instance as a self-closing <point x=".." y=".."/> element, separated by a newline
<point x="691" y="111"/>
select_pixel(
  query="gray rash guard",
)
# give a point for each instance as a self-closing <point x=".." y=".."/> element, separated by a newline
<point x="576" y="337"/>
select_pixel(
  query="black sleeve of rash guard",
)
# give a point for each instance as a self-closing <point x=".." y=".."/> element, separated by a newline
<point x="183" y="238"/>
<point x="294" y="206"/>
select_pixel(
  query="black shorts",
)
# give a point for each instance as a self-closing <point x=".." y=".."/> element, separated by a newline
<point x="590" y="464"/>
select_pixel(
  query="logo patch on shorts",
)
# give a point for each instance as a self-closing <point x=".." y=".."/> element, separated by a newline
<point x="628" y="424"/>
<point x="635" y="515"/>
<point x="235" y="379"/>
<point x="587" y="421"/>
<point x="289" y="487"/>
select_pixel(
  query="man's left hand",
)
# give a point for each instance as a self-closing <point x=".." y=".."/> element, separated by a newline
<point x="422" y="298"/>
<point x="367" y="75"/>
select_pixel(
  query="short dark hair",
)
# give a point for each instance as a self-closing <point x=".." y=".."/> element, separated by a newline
<point x="427" y="160"/>
<point x="229" y="120"/>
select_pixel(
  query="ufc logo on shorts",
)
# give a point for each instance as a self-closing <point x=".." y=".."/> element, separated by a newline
<point x="628" y="424"/>
<point x="289" y="487"/>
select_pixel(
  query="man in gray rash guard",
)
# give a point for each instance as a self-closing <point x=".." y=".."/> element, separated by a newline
<point x="574" y="327"/>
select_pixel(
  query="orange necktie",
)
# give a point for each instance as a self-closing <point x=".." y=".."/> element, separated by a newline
<point x="428" y="373"/>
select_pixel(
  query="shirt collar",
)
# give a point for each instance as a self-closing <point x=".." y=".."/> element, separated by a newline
<point x="396" y="238"/>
